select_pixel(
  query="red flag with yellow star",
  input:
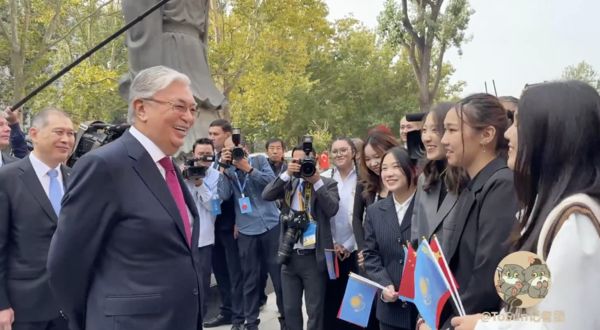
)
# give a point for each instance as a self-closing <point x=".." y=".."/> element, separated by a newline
<point x="406" y="291"/>
<point x="436" y="249"/>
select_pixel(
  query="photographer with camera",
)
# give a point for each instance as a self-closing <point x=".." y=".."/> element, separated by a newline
<point x="202" y="182"/>
<point x="225" y="255"/>
<point x="310" y="202"/>
<point x="257" y="222"/>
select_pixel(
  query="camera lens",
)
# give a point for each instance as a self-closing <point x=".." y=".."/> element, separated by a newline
<point x="308" y="168"/>
<point x="238" y="153"/>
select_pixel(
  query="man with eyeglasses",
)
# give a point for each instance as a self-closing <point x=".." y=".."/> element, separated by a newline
<point x="125" y="249"/>
<point x="30" y="196"/>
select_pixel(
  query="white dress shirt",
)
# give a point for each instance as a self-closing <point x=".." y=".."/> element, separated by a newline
<point x="41" y="171"/>
<point x="156" y="154"/>
<point x="401" y="208"/>
<point x="341" y="223"/>
<point x="203" y="198"/>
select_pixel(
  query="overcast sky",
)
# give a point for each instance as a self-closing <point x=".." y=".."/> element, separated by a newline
<point x="514" y="42"/>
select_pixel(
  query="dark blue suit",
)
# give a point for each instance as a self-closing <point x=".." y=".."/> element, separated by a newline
<point x="384" y="258"/>
<point x="27" y="222"/>
<point x="119" y="258"/>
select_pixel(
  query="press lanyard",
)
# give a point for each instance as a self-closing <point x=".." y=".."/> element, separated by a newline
<point x="242" y="187"/>
<point x="306" y="195"/>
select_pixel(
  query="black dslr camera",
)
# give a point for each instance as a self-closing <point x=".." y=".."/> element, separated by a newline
<point x="308" y="164"/>
<point x="92" y="135"/>
<point x="237" y="153"/>
<point x="295" y="223"/>
<point x="194" y="171"/>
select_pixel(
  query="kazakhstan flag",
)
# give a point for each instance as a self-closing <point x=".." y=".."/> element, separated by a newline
<point x="431" y="290"/>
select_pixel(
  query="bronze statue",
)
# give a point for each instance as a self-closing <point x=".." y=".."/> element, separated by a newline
<point x="175" y="36"/>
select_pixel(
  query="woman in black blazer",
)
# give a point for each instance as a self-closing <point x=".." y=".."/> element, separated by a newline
<point x="433" y="202"/>
<point x="486" y="208"/>
<point x="387" y="227"/>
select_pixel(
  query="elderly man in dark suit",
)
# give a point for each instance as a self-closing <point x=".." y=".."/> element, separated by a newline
<point x="30" y="196"/>
<point x="305" y="268"/>
<point x="124" y="255"/>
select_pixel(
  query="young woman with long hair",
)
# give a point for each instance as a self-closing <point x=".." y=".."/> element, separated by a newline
<point x="387" y="223"/>
<point x="350" y="213"/>
<point x="554" y="153"/>
<point x="486" y="207"/>
<point x="439" y="184"/>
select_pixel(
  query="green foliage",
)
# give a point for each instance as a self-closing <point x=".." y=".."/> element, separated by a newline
<point x="285" y="69"/>
<point x="424" y="31"/>
<point x="59" y="31"/>
<point x="582" y="71"/>
<point x="259" y="51"/>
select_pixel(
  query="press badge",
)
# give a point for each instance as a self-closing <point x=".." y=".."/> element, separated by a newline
<point x="309" y="237"/>
<point x="245" y="206"/>
<point x="215" y="206"/>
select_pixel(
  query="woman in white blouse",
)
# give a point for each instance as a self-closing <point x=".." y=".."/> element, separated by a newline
<point x="554" y="143"/>
<point x="343" y="153"/>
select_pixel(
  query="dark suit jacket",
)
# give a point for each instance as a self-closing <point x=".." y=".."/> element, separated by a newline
<point x="384" y="258"/>
<point x="427" y="218"/>
<point x="481" y="228"/>
<point x="119" y="258"/>
<point x="7" y="159"/>
<point x="324" y="205"/>
<point x="26" y="227"/>
<point x="358" y="216"/>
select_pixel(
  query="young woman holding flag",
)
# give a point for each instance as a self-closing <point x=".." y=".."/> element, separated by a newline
<point x="486" y="207"/>
<point x="554" y="152"/>
<point x="387" y="227"/>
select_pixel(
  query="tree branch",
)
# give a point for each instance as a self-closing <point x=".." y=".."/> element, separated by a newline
<point x="432" y="29"/>
<point x="438" y="75"/>
<point x="66" y="35"/>
<point x="407" y="25"/>
<point x="14" y="37"/>
<point x="412" y="58"/>
<point x="53" y="23"/>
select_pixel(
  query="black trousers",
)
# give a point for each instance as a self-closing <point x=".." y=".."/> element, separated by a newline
<point x="205" y="253"/>
<point x="301" y="275"/>
<point x="228" y="273"/>
<point x="56" y="324"/>
<point x="334" y="294"/>
<point x="253" y="249"/>
<point x="264" y="275"/>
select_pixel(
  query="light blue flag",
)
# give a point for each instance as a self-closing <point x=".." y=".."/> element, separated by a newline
<point x="357" y="302"/>
<point x="431" y="291"/>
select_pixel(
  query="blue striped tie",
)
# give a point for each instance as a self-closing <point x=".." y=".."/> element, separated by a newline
<point x="55" y="192"/>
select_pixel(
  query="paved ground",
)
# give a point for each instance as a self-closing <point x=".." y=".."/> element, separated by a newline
<point x="268" y="315"/>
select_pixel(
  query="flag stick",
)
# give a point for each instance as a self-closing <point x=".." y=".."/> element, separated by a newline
<point x="452" y="284"/>
<point x="452" y="294"/>
<point x="366" y="281"/>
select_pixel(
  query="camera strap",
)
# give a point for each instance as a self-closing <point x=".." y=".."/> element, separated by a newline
<point x="306" y="193"/>
<point x="240" y="185"/>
